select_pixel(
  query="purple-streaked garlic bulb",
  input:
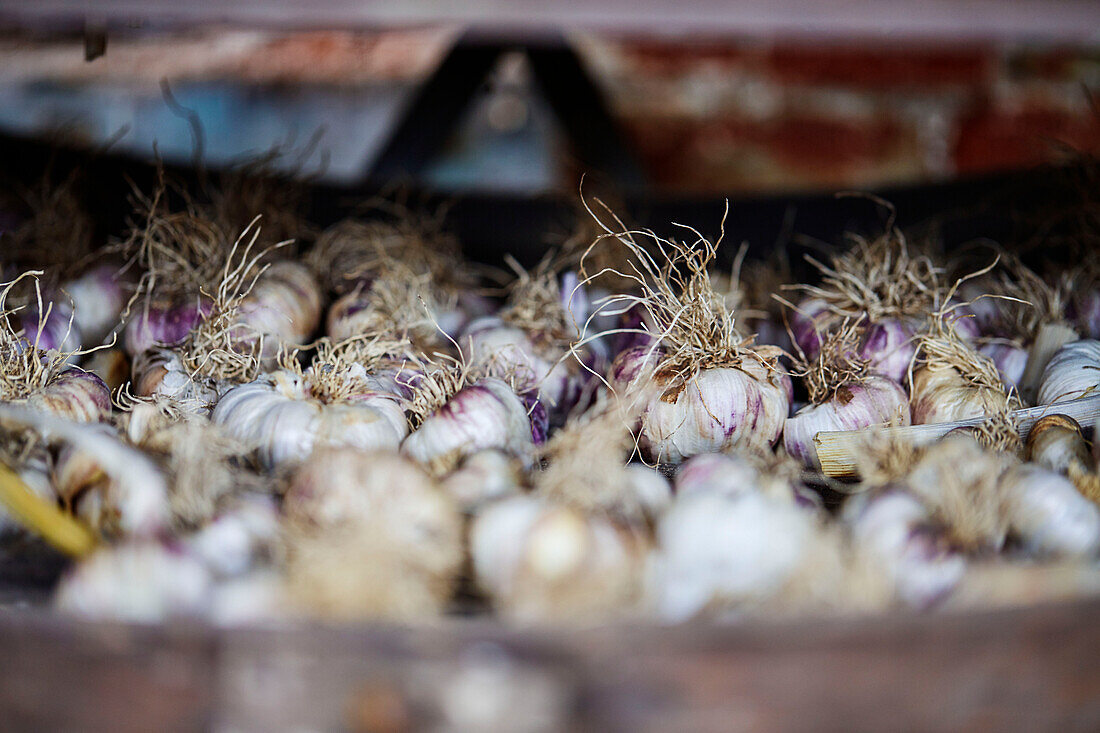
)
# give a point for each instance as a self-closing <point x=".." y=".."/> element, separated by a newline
<point x="719" y="550"/>
<point x="1009" y="359"/>
<point x="896" y="529"/>
<point x="486" y="414"/>
<point x="280" y="418"/>
<point x="538" y="560"/>
<point x="1072" y="373"/>
<point x="97" y="300"/>
<point x="142" y="581"/>
<point x="73" y="394"/>
<point x="54" y="330"/>
<point x="886" y="344"/>
<point x="873" y="401"/>
<point x="169" y="323"/>
<point x="1047" y="515"/>
<point x="483" y="477"/>
<point x="284" y="305"/>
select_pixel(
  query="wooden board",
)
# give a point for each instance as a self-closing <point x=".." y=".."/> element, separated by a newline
<point x="1020" y="669"/>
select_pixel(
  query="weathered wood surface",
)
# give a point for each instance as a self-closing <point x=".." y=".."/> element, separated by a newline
<point x="1021" y="669"/>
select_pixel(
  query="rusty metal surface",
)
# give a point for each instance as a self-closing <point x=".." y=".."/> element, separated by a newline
<point x="1022" y="669"/>
<point x="1074" y="21"/>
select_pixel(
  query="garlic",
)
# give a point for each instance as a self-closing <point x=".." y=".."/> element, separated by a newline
<point x="163" y="323"/>
<point x="1057" y="444"/>
<point x="843" y="396"/>
<point x="739" y="473"/>
<point x="485" y="414"/>
<point x="897" y="530"/>
<point x="1047" y="515"/>
<point x="53" y="330"/>
<point x="1009" y="359"/>
<point x="716" y="410"/>
<point x="483" y="477"/>
<point x="238" y="537"/>
<point x="278" y="417"/>
<point x="75" y="395"/>
<point x="371" y="535"/>
<point x="715" y="549"/>
<point x="875" y="401"/>
<point x="143" y="582"/>
<point x="98" y="300"/>
<point x="1072" y="373"/>
<point x="959" y="482"/>
<point x="160" y="374"/>
<point x="539" y="561"/>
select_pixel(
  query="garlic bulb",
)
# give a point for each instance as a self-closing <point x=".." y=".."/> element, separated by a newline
<point x="541" y="561"/>
<point x="238" y="537"/>
<point x="897" y="530"/>
<point x="98" y="301"/>
<point x="715" y="549"/>
<point x="738" y="473"/>
<point x="141" y="581"/>
<point x="483" y="477"/>
<point x="959" y="482"/>
<point x="716" y="410"/>
<point x="54" y="330"/>
<point x="1072" y="373"/>
<point x="160" y="373"/>
<point x="1088" y="314"/>
<point x="1048" y="515"/>
<point x="486" y="414"/>
<point x="509" y="350"/>
<point x="73" y="394"/>
<point x="284" y="304"/>
<point x="873" y="401"/>
<point x="371" y="535"/>
<point x="278" y="416"/>
<point x="163" y="323"/>
<point x="1009" y="359"/>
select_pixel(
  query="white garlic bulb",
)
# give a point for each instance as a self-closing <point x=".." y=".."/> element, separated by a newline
<point x="483" y="477"/>
<point x="538" y="560"/>
<point x="873" y="401"/>
<point x="278" y="417"/>
<point x="238" y="537"/>
<point x="1072" y="373"/>
<point x="487" y="414"/>
<point x="284" y="304"/>
<point x="715" y="549"/>
<point x="1048" y="515"/>
<point x="139" y="581"/>
<point x="943" y="394"/>
<point x="160" y="373"/>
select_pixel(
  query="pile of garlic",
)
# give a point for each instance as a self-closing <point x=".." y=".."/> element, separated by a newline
<point x="351" y="426"/>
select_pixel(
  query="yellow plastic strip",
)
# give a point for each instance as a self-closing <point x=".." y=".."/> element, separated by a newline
<point x="37" y="515"/>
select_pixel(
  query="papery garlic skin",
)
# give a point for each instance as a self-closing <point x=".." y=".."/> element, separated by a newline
<point x="717" y="549"/>
<point x="98" y="301"/>
<point x="487" y="414"/>
<point x="809" y="323"/>
<point x="652" y="491"/>
<point x="716" y="410"/>
<point x="942" y="394"/>
<point x="874" y="401"/>
<point x="153" y="324"/>
<point x="141" y="581"/>
<point x="1072" y="373"/>
<point x="1055" y="442"/>
<point x="538" y="560"/>
<point x="1010" y="360"/>
<point x="57" y="332"/>
<point x="74" y="395"/>
<point x="278" y="418"/>
<point x="718" y="473"/>
<point x="1047" y="514"/>
<point x="895" y="528"/>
